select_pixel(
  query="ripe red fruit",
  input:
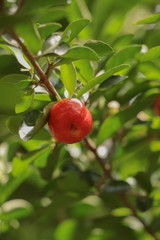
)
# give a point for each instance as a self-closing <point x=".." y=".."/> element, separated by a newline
<point x="157" y="105"/>
<point x="70" y="121"/>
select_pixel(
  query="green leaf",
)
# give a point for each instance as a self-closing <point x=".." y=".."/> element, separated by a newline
<point x="70" y="182"/>
<point x="116" y="121"/>
<point x="15" y="209"/>
<point x="14" y="123"/>
<point x="66" y="230"/>
<point x="9" y="21"/>
<point x="144" y="203"/>
<point x="143" y="180"/>
<point x="81" y="52"/>
<point x="52" y="15"/>
<point x="149" y="20"/>
<point x="152" y="53"/>
<point x="101" y="48"/>
<point x="84" y="69"/>
<point x="26" y="102"/>
<point x="34" y="121"/>
<point x="68" y="74"/>
<point x="126" y="55"/>
<point x="10" y="95"/>
<point x="116" y="186"/>
<point x="54" y="45"/>
<point x="30" y="36"/>
<point x="43" y="97"/>
<point x="18" y="54"/>
<point x="12" y="185"/>
<point x="73" y="29"/>
<point x="47" y="29"/>
<point x="20" y="164"/>
<point x="150" y="70"/>
<point x="93" y="82"/>
<point x="22" y="81"/>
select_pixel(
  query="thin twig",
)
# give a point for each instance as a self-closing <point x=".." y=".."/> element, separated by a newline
<point x="31" y="58"/>
<point x="107" y="173"/>
<point x="105" y="167"/>
<point x="20" y="5"/>
<point x="48" y="69"/>
<point x="2" y="6"/>
<point x="135" y="214"/>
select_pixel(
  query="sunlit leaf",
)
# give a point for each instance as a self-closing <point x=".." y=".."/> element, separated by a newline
<point x="73" y="29"/>
<point x="26" y="102"/>
<point x="81" y="52"/>
<point x="18" y="54"/>
<point x="85" y="71"/>
<point x="149" y="20"/>
<point x="68" y="74"/>
<point x="101" y="48"/>
<point x="152" y="53"/>
<point x="47" y="29"/>
<point x="54" y="46"/>
<point x="30" y="35"/>
<point x="126" y="55"/>
<point x="93" y="82"/>
<point x="15" y="209"/>
<point x="34" y="121"/>
<point x="66" y="229"/>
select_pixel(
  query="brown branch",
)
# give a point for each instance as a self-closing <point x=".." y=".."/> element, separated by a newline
<point x="43" y="78"/>
<point x="135" y="214"/>
<point x="20" y="5"/>
<point x="107" y="173"/>
<point x="2" y="6"/>
<point x="105" y="167"/>
<point x="48" y="69"/>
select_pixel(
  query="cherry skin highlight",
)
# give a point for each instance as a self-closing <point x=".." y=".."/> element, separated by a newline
<point x="70" y="121"/>
<point x="157" y="106"/>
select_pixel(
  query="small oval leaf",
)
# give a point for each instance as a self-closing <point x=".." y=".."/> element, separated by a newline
<point x="125" y="55"/>
<point x="101" y="48"/>
<point x="68" y="74"/>
<point x="104" y="76"/>
<point x="150" y="20"/>
<point x="18" y="54"/>
<point x="47" y="29"/>
<point x="34" y="121"/>
<point x="81" y="52"/>
<point x="116" y="186"/>
<point x="151" y="54"/>
<point x="73" y="29"/>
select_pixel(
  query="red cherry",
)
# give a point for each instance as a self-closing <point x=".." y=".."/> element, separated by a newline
<point x="70" y="121"/>
<point x="157" y="105"/>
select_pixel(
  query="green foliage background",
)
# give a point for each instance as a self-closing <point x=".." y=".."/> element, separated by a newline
<point x="99" y="51"/>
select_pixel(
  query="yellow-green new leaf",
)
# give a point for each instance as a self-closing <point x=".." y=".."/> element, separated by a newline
<point x="68" y="74"/>
<point x="150" y="20"/>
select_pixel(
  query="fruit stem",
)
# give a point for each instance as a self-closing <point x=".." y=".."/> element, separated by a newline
<point x="43" y="78"/>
